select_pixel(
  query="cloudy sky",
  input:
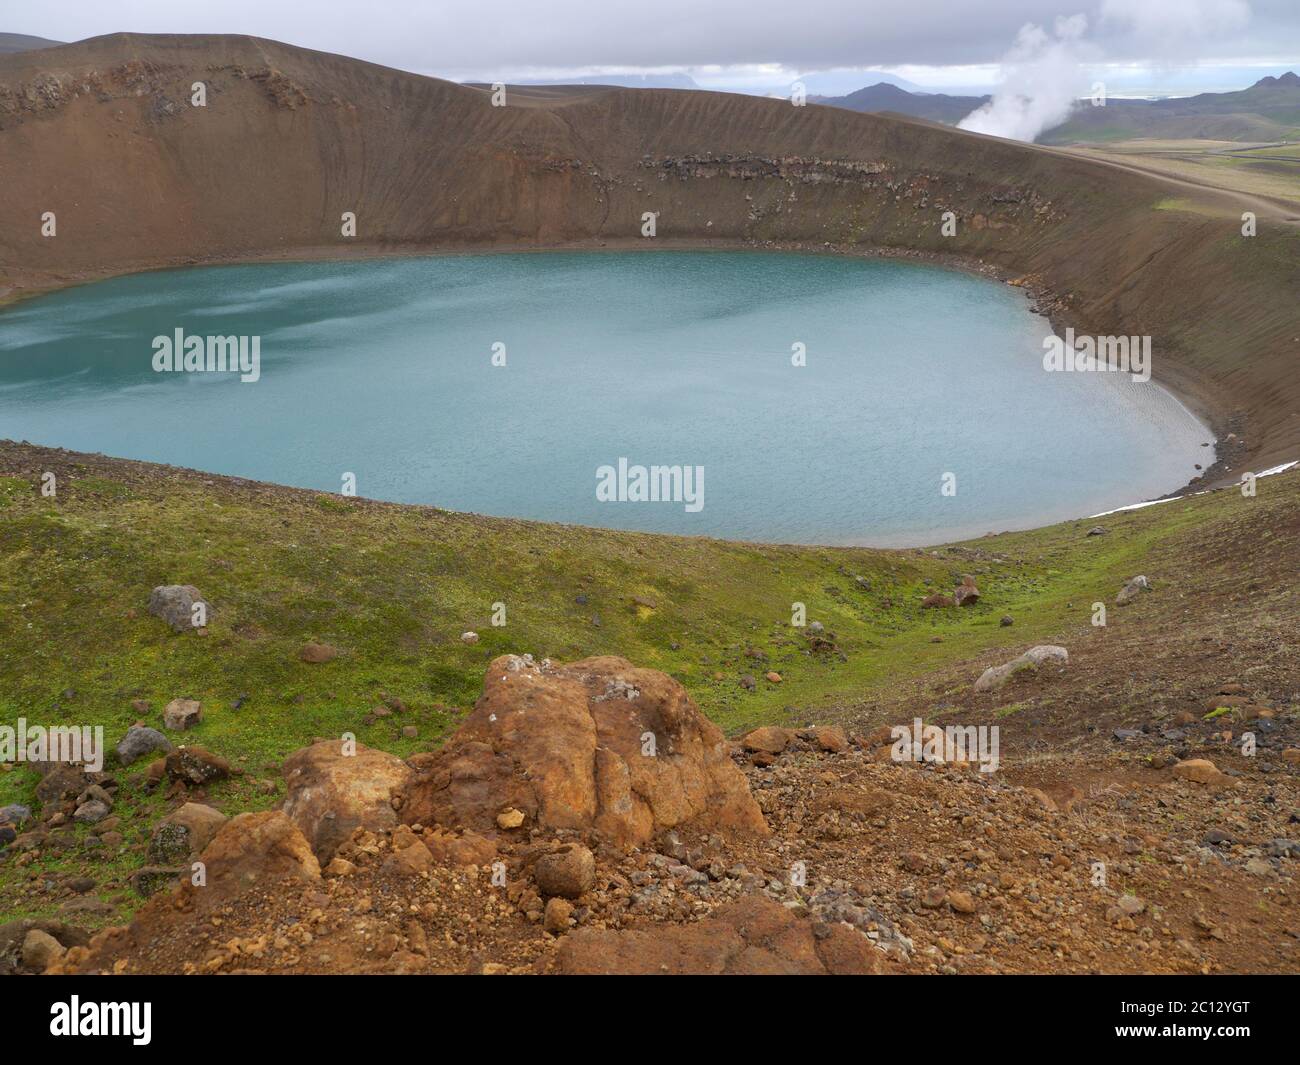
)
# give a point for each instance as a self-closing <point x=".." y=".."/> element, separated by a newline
<point x="747" y="45"/>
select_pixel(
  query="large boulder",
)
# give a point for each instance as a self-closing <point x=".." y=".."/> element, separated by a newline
<point x="754" y="936"/>
<point x="596" y="745"/>
<point x="996" y="676"/>
<point x="174" y="603"/>
<point x="330" y="793"/>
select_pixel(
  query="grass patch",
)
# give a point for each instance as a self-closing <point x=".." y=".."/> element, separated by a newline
<point x="394" y="587"/>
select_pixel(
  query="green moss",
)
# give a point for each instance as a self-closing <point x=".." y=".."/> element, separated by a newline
<point x="393" y="588"/>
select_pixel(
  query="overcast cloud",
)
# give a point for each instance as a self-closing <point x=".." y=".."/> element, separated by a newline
<point x="744" y="38"/>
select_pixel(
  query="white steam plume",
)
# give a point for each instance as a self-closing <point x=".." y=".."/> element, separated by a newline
<point x="1042" y="78"/>
<point x="1044" y="75"/>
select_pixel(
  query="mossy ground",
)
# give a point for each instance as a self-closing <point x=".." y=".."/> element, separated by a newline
<point x="394" y="587"/>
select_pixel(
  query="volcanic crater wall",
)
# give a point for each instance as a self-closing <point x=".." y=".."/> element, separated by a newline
<point x="103" y="134"/>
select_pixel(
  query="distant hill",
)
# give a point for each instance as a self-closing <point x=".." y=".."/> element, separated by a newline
<point x="22" y="42"/>
<point x="885" y="97"/>
<point x="1269" y="110"/>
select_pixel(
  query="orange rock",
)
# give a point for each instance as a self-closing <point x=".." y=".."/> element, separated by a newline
<point x="769" y="738"/>
<point x="330" y="793"/>
<point x="830" y="738"/>
<point x="256" y="849"/>
<point x="1200" y="771"/>
<point x="595" y="745"/>
<point x="753" y="936"/>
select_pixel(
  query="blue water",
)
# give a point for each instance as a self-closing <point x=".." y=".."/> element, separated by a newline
<point x="383" y="369"/>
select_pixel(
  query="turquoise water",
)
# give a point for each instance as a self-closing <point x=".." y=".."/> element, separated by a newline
<point x="383" y="369"/>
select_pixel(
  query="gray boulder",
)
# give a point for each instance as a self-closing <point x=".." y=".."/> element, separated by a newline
<point x="996" y="676"/>
<point x="174" y="603"/>
<point x="140" y="741"/>
<point x="88" y="813"/>
<point x="1132" y="590"/>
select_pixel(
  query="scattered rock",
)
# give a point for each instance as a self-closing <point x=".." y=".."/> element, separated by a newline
<point x="184" y="833"/>
<point x="469" y="637"/>
<point x="40" y="950"/>
<point x="318" y="653"/>
<point x="1200" y="771"/>
<point x="148" y="880"/>
<point x="996" y="676"/>
<point x="174" y="603"/>
<point x="1132" y="590"/>
<point x="557" y="915"/>
<point x="830" y="738"/>
<point x="88" y="813"/>
<point x="411" y="860"/>
<point x="569" y="873"/>
<point x="508" y="819"/>
<point x="182" y="714"/>
<point x="139" y="741"/>
<point x="194" y="765"/>
<point x="967" y="594"/>
<point x="260" y="848"/>
<point x="768" y="738"/>
<point x="961" y="902"/>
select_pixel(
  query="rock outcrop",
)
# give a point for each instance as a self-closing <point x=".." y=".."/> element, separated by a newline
<point x="256" y="849"/>
<point x="598" y="745"/>
<point x="330" y="793"/>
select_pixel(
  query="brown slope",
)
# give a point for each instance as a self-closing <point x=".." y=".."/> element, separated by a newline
<point x="102" y="133"/>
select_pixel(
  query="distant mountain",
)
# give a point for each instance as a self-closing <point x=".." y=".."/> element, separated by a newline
<point x="22" y="42"/>
<point x="1269" y="110"/>
<point x="843" y="82"/>
<point x="885" y="97"/>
